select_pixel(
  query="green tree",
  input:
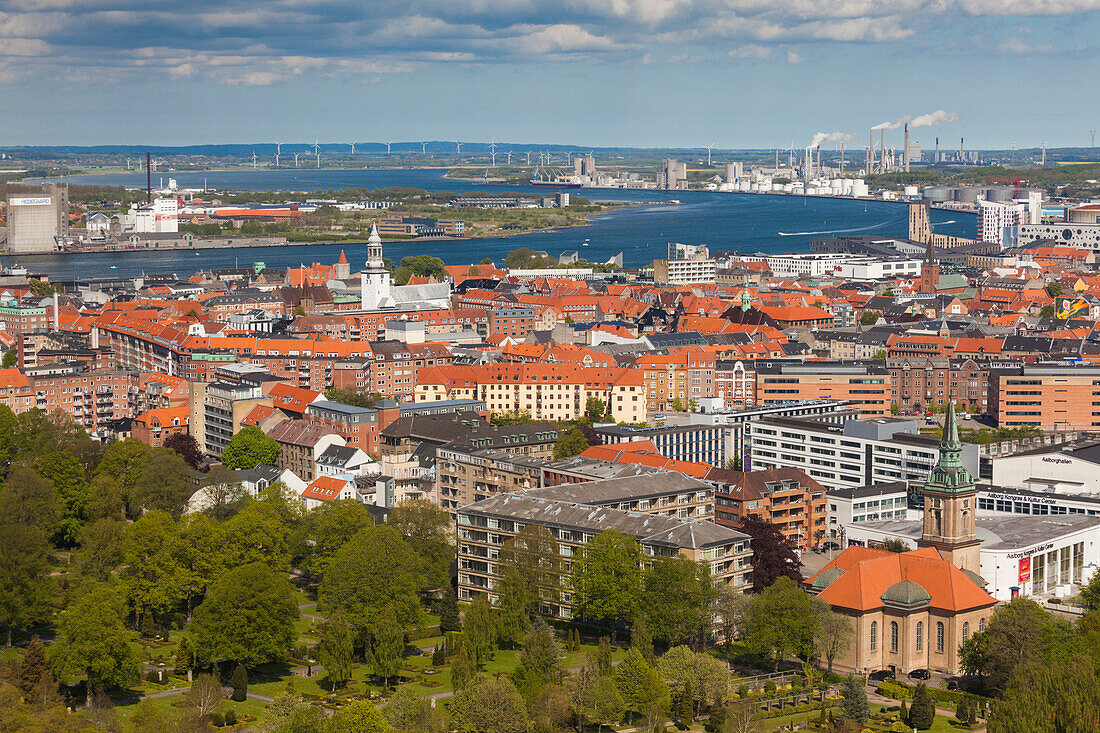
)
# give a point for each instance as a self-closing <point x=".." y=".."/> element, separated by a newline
<point x="249" y="448"/>
<point x="1047" y="311"/>
<point x="1021" y="633"/>
<point x="641" y="640"/>
<point x="373" y="577"/>
<point x="595" y="408"/>
<point x="257" y="533"/>
<point x="697" y="680"/>
<point x="448" y="612"/>
<point x="677" y="592"/>
<point x="1063" y="696"/>
<point x="730" y="611"/>
<point x="429" y="530"/>
<point x="337" y="648"/>
<point x="33" y="670"/>
<point x="202" y="555"/>
<point x="247" y="616"/>
<point x="922" y="713"/>
<point x="531" y="567"/>
<point x="480" y="630"/>
<point x="11" y="358"/>
<point x="854" y="700"/>
<point x="288" y="713"/>
<point x="407" y="710"/>
<point x="25" y="588"/>
<point x="359" y="716"/>
<point x="222" y="492"/>
<point x="1090" y="593"/>
<point x="869" y="318"/>
<point x="29" y="499"/>
<point x="165" y="482"/>
<point x="571" y="444"/>
<point x="329" y="528"/>
<point x="64" y="471"/>
<point x="93" y="642"/>
<point x="239" y="682"/>
<point x="606" y="705"/>
<point x="152" y="576"/>
<point x="205" y="695"/>
<point x="781" y="622"/>
<point x="489" y="705"/>
<point x="101" y="548"/>
<point x="185" y="656"/>
<point x="894" y="544"/>
<point x="539" y="663"/>
<point x="833" y="632"/>
<point x="1054" y="289"/>
<point x="387" y="648"/>
<point x="424" y="266"/>
<point x="607" y="578"/>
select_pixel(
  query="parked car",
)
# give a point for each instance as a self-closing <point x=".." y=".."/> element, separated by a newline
<point x="830" y="545"/>
<point x="881" y="675"/>
<point x="952" y="685"/>
<point x="920" y="674"/>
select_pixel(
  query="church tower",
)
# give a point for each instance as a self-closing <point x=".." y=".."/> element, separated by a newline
<point x="950" y="502"/>
<point x="929" y="271"/>
<point x="375" y="279"/>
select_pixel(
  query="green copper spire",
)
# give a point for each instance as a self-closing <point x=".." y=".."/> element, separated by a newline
<point x="949" y="473"/>
<point x="746" y="299"/>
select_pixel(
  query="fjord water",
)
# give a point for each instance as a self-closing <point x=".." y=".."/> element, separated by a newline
<point x="747" y="223"/>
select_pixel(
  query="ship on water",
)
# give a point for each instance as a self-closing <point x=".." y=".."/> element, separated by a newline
<point x="552" y="180"/>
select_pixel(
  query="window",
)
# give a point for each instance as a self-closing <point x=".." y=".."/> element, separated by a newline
<point x="874" y="635"/>
<point x="966" y="630"/>
<point x="981" y="625"/>
<point x="920" y="636"/>
<point x="894" y="636"/>
<point x="939" y="637"/>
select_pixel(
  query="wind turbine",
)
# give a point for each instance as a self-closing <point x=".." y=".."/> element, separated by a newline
<point x="253" y="160"/>
<point x="493" y="153"/>
<point x="353" y="144"/>
<point x="458" y="148"/>
<point x="708" y="147"/>
<point x="296" y="160"/>
<point x="278" y="151"/>
<point x="388" y="147"/>
<point x="1044" y="152"/>
<point x="509" y="157"/>
<point x="317" y="151"/>
<point x="423" y="148"/>
<point x="528" y="157"/>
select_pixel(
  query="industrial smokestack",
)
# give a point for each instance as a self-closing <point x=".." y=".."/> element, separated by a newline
<point x="960" y="149"/>
<point x="56" y="316"/>
<point x="937" y="150"/>
<point x="819" y="160"/>
<point x="905" y="153"/>
<point x="882" y="151"/>
<point x="148" y="178"/>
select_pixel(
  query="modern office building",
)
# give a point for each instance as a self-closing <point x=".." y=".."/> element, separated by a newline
<point x="857" y="453"/>
<point x="859" y="504"/>
<point x="694" y="443"/>
<point x="864" y="385"/>
<point x="1047" y="396"/>
<point x="785" y="497"/>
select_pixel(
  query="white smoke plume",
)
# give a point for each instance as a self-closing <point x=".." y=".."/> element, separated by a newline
<point x="825" y="138"/>
<point x="939" y="117"/>
<point x="891" y="125"/>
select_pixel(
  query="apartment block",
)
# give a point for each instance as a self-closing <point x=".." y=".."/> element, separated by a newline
<point x="484" y="527"/>
<point x="785" y="497"/>
<point x="917" y="384"/>
<point x="694" y="443"/>
<point x="465" y="475"/>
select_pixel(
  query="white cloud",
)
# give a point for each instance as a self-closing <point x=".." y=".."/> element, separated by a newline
<point x="1018" y="45"/>
<point x="751" y="51"/>
<point x="23" y="47"/>
<point x="793" y="58"/>
<point x="255" y="79"/>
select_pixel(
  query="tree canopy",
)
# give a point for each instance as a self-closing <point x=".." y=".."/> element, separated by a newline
<point x="249" y="448"/>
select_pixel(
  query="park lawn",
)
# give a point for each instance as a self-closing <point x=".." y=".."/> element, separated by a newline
<point x="251" y="708"/>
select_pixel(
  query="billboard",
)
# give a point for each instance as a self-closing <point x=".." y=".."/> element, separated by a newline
<point x="30" y="201"/>
<point x="1025" y="569"/>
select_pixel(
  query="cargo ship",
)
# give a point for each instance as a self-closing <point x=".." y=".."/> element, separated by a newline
<point x="557" y="181"/>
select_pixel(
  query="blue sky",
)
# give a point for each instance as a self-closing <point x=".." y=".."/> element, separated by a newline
<point x="736" y="73"/>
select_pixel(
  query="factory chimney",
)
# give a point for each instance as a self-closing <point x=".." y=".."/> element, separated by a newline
<point x="148" y="178"/>
<point x="937" y="150"/>
<point x="905" y="153"/>
<point x="871" y="153"/>
<point x="882" y="150"/>
<point x="960" y="150"/>
<point x="819" y="160"/>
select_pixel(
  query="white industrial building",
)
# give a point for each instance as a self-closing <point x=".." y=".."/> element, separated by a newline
<point x="161" y="216"/>
<point x="847" y="266"/>
<point x="859" y="453"/>
<point x="861" y="504"/>
<point x="35" y="221"/>
<point x="1085" y="236"/>
<point x="1058" y="469"/>
<point x="1024" y="556"/>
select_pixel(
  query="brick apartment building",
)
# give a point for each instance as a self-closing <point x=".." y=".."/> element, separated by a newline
<point x="917" y="384"/>
<point x="866" y="386"/>
<point x="1048" y="396"/>
<point x="785" y="497"/>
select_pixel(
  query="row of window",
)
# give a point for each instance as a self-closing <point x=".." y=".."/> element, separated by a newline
<point x="940" y="633"/>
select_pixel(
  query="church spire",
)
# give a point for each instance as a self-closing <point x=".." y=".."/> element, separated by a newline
<point x="746" y="298"/>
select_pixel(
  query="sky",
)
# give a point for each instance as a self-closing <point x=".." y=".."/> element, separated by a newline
<point x="631" y="73"/>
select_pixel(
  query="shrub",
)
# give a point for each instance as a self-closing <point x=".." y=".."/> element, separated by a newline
<point x="230" y="717"/>
<point x="769" y="687"/>
<point x="217" y="719"/>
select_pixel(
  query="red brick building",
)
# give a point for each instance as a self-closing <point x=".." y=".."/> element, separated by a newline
<point x="785" y="497"/>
